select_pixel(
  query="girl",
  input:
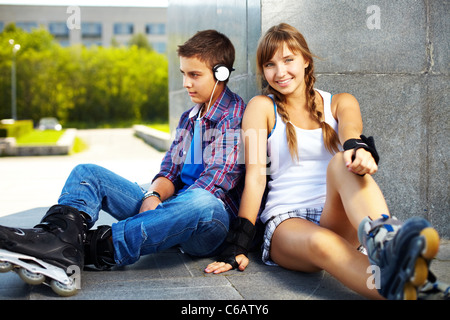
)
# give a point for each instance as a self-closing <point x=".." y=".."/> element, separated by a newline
<point x="321" y="201"/>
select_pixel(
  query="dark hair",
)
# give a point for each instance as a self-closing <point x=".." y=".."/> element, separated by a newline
<point x="210" y="47"/>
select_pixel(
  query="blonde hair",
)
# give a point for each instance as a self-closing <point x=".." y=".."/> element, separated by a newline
<point x="274" y="39"/>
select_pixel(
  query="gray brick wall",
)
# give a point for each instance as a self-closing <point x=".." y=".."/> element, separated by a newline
<point x="393" y="56"/>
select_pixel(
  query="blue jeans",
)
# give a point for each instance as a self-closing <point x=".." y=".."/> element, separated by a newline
<point x="195" y="219"/>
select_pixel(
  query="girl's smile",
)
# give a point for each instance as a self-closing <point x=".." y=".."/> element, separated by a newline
<point x="286" y="70"/>
<point x="284" y="83"/>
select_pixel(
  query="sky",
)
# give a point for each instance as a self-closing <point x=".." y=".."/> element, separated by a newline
<point x="126" y="3"/>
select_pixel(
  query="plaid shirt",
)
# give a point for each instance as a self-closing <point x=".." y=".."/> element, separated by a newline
<point x="221" y="149"/>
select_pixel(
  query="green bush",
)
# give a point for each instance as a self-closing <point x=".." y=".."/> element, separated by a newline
<point x="76" y="84"/>
<point x="16" y="129"/>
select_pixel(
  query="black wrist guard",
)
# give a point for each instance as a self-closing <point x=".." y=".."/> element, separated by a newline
<point x="239" y="240"/>
<point x="365" y="143"/>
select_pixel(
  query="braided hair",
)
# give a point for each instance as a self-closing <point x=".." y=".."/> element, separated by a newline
<point x="274" y="39"/>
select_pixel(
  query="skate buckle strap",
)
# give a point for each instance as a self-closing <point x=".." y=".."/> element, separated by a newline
<point x="47" y="226"/>
<point x="98" y="241"/>
<point x="384" y="221"/>
<point x="383" y="229"/>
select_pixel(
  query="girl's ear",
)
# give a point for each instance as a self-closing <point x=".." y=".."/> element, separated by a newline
<point x="307" y="61"/>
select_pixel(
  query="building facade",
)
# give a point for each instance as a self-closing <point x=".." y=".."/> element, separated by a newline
<point x="103" y="26"/>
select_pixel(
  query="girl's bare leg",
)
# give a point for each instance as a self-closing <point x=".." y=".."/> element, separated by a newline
<point x="301" y="245"/>
<point x="350" y="198"/>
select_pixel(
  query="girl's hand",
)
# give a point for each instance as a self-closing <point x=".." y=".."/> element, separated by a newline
<point x="360" y="162"/>
<point x="219" y="267"/>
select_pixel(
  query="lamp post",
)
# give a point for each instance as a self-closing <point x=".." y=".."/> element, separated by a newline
<point x="15" y="48"/>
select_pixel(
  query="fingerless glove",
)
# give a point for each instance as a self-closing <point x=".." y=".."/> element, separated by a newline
<point x="365" y="143"/>
<point x="239" y="240"/>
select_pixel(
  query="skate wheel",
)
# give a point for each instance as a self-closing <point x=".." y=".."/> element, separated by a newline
<point x="62" y="289"/>
<point x="420" y="272"/>
<point x="409" y="292"/>
<point x="431" y="243"/>
<point x="5" y="266"/>
<point x="31" y="277"/>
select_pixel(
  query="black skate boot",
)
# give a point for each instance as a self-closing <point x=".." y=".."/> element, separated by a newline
<point x="99" y="249"/>
<point x="52" y="249"/>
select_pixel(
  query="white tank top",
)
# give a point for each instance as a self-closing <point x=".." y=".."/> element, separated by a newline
<point x="297" y="184"/>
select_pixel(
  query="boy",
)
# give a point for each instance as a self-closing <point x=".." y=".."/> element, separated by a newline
<point x="190" y="202"/>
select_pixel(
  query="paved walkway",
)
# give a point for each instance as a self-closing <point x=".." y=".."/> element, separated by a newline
<point x="29" y="185"/>
<point x="23" y="179"/>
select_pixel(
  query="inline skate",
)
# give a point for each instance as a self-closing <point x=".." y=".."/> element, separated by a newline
<point x="51" y="253"/>
<point x="401" y="251"/>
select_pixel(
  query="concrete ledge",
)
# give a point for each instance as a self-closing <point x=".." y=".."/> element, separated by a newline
<point x="8" y="146"/>
<point x="157" y="139"/>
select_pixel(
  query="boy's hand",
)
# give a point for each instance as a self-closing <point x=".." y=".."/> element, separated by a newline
<point x="149" y="204"/>
<point x="219" y="267"/>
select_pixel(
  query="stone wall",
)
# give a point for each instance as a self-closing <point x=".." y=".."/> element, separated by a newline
<point x="239" y="20"/>
<point x="393" y="56"/>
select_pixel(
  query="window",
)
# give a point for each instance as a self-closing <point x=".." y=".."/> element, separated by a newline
<point x="159" y="47"/>
<point x="123" y="28"/>
<point x="27" y="26"/>
<point x="64" y="42"/>
<point x="92" y="42"/>
<point x="91" y="33"/>
<point x="91" y="29"/>
<point x="155" y="28"/>
<point x="58" y="29"/>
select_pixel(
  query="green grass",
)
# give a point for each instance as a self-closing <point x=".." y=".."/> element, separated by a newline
<point x="37" y="137"/>
<point x="78" y="146"/>
<point x="49" y="137"/>
<point x="164" y="127"/>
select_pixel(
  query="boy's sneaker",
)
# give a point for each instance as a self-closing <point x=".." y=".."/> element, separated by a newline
<point x="402" y="252"/>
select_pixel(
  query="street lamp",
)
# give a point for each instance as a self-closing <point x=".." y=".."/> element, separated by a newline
<point x="15" y="48"/>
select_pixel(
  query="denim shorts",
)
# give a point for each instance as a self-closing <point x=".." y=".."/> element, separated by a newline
<point x="310" y="214"/>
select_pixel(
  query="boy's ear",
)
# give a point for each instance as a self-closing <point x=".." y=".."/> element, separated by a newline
<point x="221" y="72"/>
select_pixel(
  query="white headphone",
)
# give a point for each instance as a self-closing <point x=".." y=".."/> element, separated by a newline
<point x="221" y="72"/>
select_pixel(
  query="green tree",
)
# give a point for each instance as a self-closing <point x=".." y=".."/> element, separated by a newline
<point x="82" y="85"/>
<point x="140" y="40"/>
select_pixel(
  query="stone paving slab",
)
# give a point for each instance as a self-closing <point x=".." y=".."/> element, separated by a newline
<point x="166" y="276"/>
<point x="174" y="275"/>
